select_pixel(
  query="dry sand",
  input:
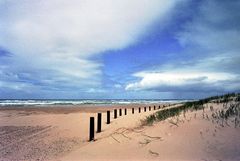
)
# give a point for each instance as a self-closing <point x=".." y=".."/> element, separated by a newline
<point x="55" y="134"/>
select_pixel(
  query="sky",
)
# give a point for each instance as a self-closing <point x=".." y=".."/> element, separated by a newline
<point x="132" y="49"/>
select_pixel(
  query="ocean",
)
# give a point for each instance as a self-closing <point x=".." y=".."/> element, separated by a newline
<point x="44" y="102"/>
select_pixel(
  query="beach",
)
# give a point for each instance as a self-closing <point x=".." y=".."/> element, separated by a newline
<point x="122" y="80"/>
<point x="62" y="133"/>
<point x="49" y="132"/>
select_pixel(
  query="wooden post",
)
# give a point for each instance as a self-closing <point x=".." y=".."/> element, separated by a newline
<point x="149" y="108"/>
<point x="125" y="111"/>
<point x="108" y="117"/>
<point x="115" y="113"/>
<point x="139" y="109"/>
<point x="132" y="110"/>
<point x="99" y="123"/>
<point x="145" y="109"/>
<point x="120" y="112"/>
<point x="91" y="129"/>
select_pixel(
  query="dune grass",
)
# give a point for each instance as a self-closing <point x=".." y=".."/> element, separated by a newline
<point x="196" y="105"/>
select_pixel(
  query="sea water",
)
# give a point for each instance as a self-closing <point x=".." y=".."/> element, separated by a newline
<point x="44" y="102"/>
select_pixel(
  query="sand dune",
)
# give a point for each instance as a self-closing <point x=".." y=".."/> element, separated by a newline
<point x="192" y="137"/>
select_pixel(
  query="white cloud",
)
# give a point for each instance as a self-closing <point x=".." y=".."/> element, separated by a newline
<point x="55" y="41"/>
<point x="210" y="63"/>
<point x="117" y="85"/>
<point x="214" y="29"/>
<point x="177" y="81"/>
<point x="19" y="86"/>
<point x="77" y="27"/>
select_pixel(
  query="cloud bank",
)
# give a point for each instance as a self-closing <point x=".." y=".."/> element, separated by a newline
<point x="56" y="44"/>
<point x="211" y="41"/>
<point x="185" y="81"/>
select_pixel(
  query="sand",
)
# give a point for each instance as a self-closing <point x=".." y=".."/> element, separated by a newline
<point x="62" y="134"/>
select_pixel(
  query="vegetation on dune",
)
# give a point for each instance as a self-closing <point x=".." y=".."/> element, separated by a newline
<point x="232" y="110"/>
<point x="238" y="98"/>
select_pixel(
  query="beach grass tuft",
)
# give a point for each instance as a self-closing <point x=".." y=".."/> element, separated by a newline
<point x="197" y="105"/>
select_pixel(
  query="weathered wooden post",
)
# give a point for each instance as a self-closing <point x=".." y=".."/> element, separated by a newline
<point x="125" y="111"/>
<point x="145" y="109"/>
<point x="99" y="123"/>
<point x="139" y="109"/>
<point x="115" y="113"/>
<point x="108" y="117"/>
<point x="91" y="129"/>
<point x="120" y="112"/>
<point x="132" y="110"/>
<point x="149" y="108"/>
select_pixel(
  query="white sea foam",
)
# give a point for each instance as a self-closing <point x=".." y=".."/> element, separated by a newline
<point x="33" y="102"/>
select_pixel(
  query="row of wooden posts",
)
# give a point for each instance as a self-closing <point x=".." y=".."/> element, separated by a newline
<point x="99" y="120"/>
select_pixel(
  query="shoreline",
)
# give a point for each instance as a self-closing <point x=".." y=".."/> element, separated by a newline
<point x="110" y="102"/>
<point x="75" y="108"/>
